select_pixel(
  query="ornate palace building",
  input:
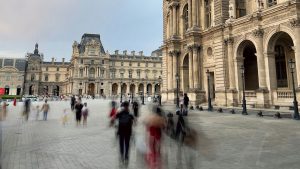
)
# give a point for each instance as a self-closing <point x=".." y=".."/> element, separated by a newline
<point x="93" y="71"/>
<point x="216" y="37"/>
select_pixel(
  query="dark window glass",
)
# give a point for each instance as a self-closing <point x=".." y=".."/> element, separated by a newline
<point x="8" y="62"/>
<point x="281" y="72"/>
<point x="186" y="17"/>
<point x="20" y="64"/>
<point x="272" y="2"/>
<point x="241" y="8"/>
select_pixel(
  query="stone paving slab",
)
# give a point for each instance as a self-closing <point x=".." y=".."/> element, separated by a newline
<point x="226" y="141"/>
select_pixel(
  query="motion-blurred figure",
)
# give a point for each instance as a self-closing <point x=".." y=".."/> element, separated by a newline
<point x="155" y="123"/>
<point x="37" y="109"/>
<point x="73" y="100"/>
<point x="126" y="121"/>
<point x="78" y="107"/>
<point x="180" y="127"/>
<point x="85" y="113"/>
<point x="4" y="110"/>
<point x="135" y="108"/>
<point x="65" y="117"/>
<point x="27" y="104"/>
<point x="45" y="109"/>
<point x="186" y="101"/>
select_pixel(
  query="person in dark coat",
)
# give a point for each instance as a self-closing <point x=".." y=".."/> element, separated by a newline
<point x="186" y="101"/>
<point x="73" y="100"/>
<point x="78" y="108"/>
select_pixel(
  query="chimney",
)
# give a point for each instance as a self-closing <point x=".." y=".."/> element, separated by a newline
<point x="133" y="53"/>
<point x="141" y="53"/>
<point x="53" y="61"/>
<point x="63" y="61"/>
<point x="116" y="52"/>
<point x="125" y="52"/>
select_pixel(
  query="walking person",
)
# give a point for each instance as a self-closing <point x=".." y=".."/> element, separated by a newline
<point x="37" y="109"/>
<point x="186" y="101"/>
<point x="4" y="110"/>
<point x="73" y="100"/>
<point x="126" y="121"/>
<point x="78" y="108"/>
<point x="45" y="109"/>
<point x="180" y="124"/>
<point x="27" y="109"/>
<point x="85" y="113"/>
<point x="135" y="108"/>
<point x="154" y="124"/>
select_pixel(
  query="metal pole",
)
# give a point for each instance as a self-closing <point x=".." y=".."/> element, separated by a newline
<point x="121" y="92"/>
<point x="177" y="90"/>
<point x="143" y="101"/>
<point x="244" y="97"/>
<point x="296" y="111"/>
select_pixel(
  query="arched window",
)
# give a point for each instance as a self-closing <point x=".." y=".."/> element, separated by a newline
<point x="92" y="72"/>
<point x="240" y="8"/>
<point x="186" y="18"/>
<point x="81" y="72"/>
<point x="207" y="4"/>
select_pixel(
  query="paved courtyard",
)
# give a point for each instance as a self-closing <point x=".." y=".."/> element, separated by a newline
<point x="226" y="141"/>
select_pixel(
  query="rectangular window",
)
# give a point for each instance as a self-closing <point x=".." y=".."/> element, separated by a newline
<point x="130" y="64"/>
<point x="130" y="74"/>
<point x="102" y="73"/>
<point x="81" y="61"/>
<point x="46" y="68"/>
<point x="57" y="69"/>
<point x="57" y="78"/>
<point x="122" y="63"/>
<point x="46" y="78"/>
<point x="272" y="2"/>
<point x="102" y="61"/>
<point x="81" y="72"/>
<point x="241" y="8"/>
<point x="207" y="13"/>
<point x="92" y="62"/>
<point x="138" y="74"/>
<point x="139" y="63"/>
<point x="122" y="75"/>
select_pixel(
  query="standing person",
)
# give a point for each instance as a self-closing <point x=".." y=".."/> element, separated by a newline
<point x="186" y="101"/>
<point x="45" y="109"/>
<point x="124" y="131"/>
<point x="78" y="107"/>
<point x="37" y="112"/>
<point x="85" y="113"/>
<point x="73" y="100"/>
<point x="135" y="108"/>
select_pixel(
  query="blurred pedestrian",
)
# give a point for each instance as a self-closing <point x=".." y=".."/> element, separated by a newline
<point x="135" y="107"/>
<point x="37" y="109"/>
<point x="85" y="113"/>
<point x="15" y="101"/>
<point x="180" y="127"/>
<point x="45" y="109"/>
<point x="65" y="117"/>
<point x="126" y="121"/>
<point x="113" y="113"/>
<point x="154" y="124"/>
<point x="4" y="109"/>
<point x="27" y="105"/>
<point x="78" y="108"/>
<point x="73" y="101"/>
<point x="186" y="101"/>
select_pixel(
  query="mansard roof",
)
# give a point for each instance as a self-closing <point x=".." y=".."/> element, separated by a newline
<point x="90" y="38"/>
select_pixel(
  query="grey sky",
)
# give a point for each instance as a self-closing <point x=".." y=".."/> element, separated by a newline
<point x="55" y="24"/>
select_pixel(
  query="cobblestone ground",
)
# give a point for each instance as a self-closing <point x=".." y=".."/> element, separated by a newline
<point x="225" y="142"/>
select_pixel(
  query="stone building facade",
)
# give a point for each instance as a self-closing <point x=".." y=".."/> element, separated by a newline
<point x="12" y="71"/>
<point x="94" y="71"/>
<point x="216" y="37"/>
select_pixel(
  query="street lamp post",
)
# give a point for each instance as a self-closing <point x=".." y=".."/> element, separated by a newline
<point x="296" y="112"/>
<point x="143" y="97"/>
<point x="159" y="83"/>
<point x="210" y="107"/>
<point x="132" y="93"/>
<point x="243" y="85"/>
<point x="121" y="92"/>
<point x="177" y="90"/>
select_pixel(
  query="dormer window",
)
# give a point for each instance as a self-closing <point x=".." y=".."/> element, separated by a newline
<point x="241" y="8"/>
<point x="272" y="2"/>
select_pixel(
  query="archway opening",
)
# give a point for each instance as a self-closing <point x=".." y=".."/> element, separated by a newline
<point x="157" y="89"/>
<point x="55" y="91"/>
<point x="185" y="71"/>
<point x="124" y="89"/>
<point x="281" y="45"/>
<point x="6" y="90"/>
<point x="31" y="90"/>
<point x="19" y="89"/>
<point x="149" y="89"/>
<point x="141" y="89"/>
<point x="91" y="89"/>
<point x="114" y="89"/>
<point x="132" y="89"/>
<point x="250" y="64"/>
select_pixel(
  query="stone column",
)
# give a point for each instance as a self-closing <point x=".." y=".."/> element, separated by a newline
<point x="196" y="66"/>
<point x="190" y="13"/>
<point x="191" y="73"/>
<point x="232" y="84"/>
<point x="194" y="13"/>
<point x="170" y="70"/>
<point x="153" y="89"/>
<point x="296" y="25"/>
<point x="171" y="21"/>
<point x="174" y="9"/>
<point x="260" y="58"/>
<point x="232" y="9"/>
<point x="174" y="69"/>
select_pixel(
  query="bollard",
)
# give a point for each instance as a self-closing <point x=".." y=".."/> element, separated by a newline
<point x="260" y="114"/>
<point x="220" y="110"/>
<point x="277" y="115"/>
<point x="192" y="108"/>
<point x="232" y="111"/>
<point x="201" y="108"/>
